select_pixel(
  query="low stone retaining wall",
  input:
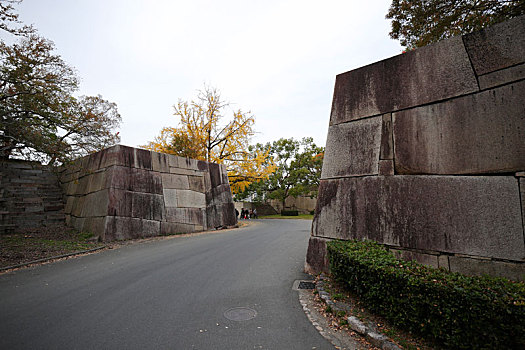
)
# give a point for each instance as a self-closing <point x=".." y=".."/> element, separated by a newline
<point x="123" y="192"/>
<point x="426" y="155"/>
<point x="30" y="197"/>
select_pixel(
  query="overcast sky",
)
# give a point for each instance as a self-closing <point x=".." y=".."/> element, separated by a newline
<point x="277" y="59"/>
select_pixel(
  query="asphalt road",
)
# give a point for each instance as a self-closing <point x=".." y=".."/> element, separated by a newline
<point x="167" y="294"/>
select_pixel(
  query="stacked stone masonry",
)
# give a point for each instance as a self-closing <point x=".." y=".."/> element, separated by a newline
<point x="123" y="192"/>
<point x="30" y="197"/>
<point x="426" y="155"/>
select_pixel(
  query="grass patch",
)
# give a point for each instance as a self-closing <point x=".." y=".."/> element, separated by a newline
<point x="279" y="216"/>
<point x="43" y="243"/>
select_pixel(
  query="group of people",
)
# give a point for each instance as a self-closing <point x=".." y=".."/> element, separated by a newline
<point x="247" y="214"/>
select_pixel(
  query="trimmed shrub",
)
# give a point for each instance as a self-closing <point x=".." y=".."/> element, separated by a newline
<point x="289" y="213"/>
<point x="451" y="309"/>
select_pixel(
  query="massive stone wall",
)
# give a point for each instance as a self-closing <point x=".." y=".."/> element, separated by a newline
<point x="426" y="155"/>
<point x="123" y="192"/>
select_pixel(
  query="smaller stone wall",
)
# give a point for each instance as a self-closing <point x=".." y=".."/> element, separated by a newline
<point x="30" y="197"/>
<point x="123" y="192"/>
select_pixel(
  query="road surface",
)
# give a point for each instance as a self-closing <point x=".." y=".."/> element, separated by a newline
<point x="167" y="294"/>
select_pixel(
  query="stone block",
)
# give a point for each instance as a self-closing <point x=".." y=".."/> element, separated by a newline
<point x="471" y="266"/>
<point x="120" y="203"/>
<point x="180" y="182"/>
<point x="97" y="181"/>
<point x="170" y="197"/>
<point x="316" y="256"/>
<point x="387" y="141"/>
<point x="194" y="216"/>
<point x="70" y="200"/>
<point x="95" y="226"/>
<point x="352" y="149"/>
<point x="96" y="204"/>
<point x="431" y="73"/>
<point x="443" y="262"/>
<point x="422" y="258"/>
<point x="118" y="228"/>
<point x="159" y="162"/>
<point x="188" y="163"/>
<point x="187" y="172"/>
<point x="173" y="228"/>
<point x="386" y="167"/>
<point x="150" y="228"/>
<point x="77" y="207"/>
<point x="499" y="46"/>
<point x="173" y="161"/>
<point x="137" y="180"/>
<point x="522" y="193"/>
<point x="142" y="159"/>
<point x="479" y="216"/>
<point x="190" y="199"/>
<point x="215" y="174"/>
<point x="476" y="134"/>
<point x="147" y="206"/>
<point x="228" y="214"/>
<point x="196" y="183"/>
<point x="501" y="77"/>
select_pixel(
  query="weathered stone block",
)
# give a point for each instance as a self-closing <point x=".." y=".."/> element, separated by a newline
<point x="316" y="256"/>
<point x="147" y="206"/>
<point x="118" y="228"/>
<point x="428" y="74"/>
<point x="499" y="46"/>
<point x="478" y="216"/>
<point x="353" y="148"/>
<point x="150" y="228"/>
<point x="501" y="77"/>
<point x="215" y="175"/>
<point x="188" y="163"/>
<point x="386" y="167"/>
<point x="95" y="226"/>
<point x="422" y="258"/>
<point x="190" y="199"/>
<point x="196" y="183"/>
<point x="137" y="180"/>
<point x="170" y="197"/>
<point x="159" y="162"/>
<point x="387" y="141"/>
<point x="443" y="262"/>
<point x="173" y="228"/>
<point x="470" y="266"/>
<point x="188" y="172"/>
<point x="120" y="203"/>
<point x="78" y="206"/>
<point x="173" y="161"/>
<point x="96" y="204"/>
<point x="175" y="181"/>
<point x="97" y="181"/>
<point x="142" y="159"/>
<point x="475" y="134"/>
<point x="522" y="191"/>
<point x="194" y="216"/>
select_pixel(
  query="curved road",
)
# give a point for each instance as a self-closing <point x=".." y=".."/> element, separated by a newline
<point x="167" y="294"/>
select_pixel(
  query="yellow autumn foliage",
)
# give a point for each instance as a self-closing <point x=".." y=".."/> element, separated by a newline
<point x="201" y="135"/>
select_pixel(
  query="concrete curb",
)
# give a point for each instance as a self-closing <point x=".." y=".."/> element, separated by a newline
<point x="375" y="338"/>
<point x="2" y="269"/>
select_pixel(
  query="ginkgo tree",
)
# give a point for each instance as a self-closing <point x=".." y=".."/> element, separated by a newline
<point x="205" y="133"/>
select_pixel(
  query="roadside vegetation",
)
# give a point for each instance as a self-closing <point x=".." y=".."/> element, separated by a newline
<point x="277" y="216"/>
<point x="44" y="243"/>
<point x="450" y="309"/>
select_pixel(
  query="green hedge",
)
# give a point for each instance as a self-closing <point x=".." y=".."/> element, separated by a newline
<point x="289" y="213"/>
<point x="454" y="310"/>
